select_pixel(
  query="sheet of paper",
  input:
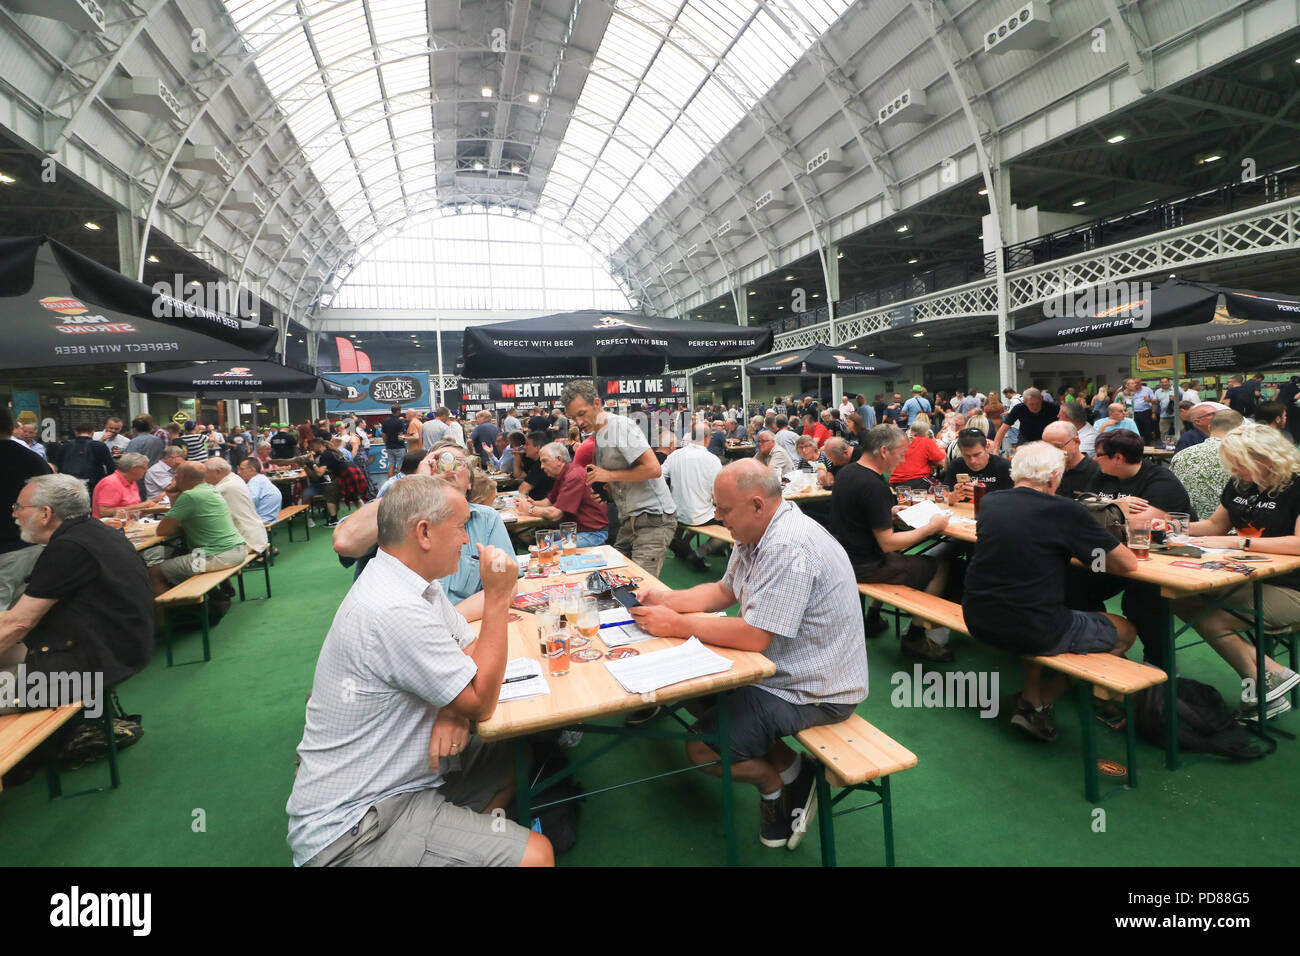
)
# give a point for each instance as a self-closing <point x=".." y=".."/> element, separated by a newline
<point x="920" y="514"/>
<point x="624" y="634"/>
<point x="534" y="686"/>
<point x="650" y="672"/>
<point x="615" y="615"/>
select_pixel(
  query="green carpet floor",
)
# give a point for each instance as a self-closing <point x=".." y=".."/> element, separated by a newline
<point x="208" y="783"/>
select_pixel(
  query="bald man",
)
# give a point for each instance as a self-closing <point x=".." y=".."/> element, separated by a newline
<point x="1081" y="472"/>
<point x="799" y="607"/>
<point x="203" y="517"/>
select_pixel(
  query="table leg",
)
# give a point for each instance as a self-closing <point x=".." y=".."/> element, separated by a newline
<point x="1261" y="676"/>
<point x="523" y="782"/>
<point x="1171" y="687"/>
<point x="728" y="797"/>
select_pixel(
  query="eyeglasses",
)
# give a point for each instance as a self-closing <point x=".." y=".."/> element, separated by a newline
<point x="17" y="507"/>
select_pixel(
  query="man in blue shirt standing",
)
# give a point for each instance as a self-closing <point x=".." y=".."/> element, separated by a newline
<point x="1142" y="398"/>
<point x="916" y="404"/>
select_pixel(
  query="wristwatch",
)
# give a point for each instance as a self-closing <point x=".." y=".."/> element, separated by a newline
<point x="1245" y="544"/>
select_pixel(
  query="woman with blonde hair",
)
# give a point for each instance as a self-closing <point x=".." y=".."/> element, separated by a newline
<point x="1259" y="510"/>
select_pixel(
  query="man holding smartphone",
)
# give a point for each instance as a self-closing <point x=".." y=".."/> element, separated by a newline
<point x="626" y="464"/>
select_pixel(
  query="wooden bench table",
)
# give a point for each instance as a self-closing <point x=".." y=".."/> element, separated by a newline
<point x="1177" y="583"/>
<point x="589" y="692"/>
<point x="197" y="590"/>
<point x="23" y="732"/>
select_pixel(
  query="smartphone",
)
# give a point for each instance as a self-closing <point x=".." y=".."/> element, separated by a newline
<point x="1251" y="557"/>
<point x="963" y="479"/>
<point x="625" y="597"/>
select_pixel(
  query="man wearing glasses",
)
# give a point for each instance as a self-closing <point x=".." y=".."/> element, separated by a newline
<point x="17" y="555"/>
<point x="1199" y="416"/>
<point x="772" y="455"/>
<point x="1081" y="472"/>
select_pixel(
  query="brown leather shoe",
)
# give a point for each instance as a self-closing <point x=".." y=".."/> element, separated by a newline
<point x="924" y="649"/>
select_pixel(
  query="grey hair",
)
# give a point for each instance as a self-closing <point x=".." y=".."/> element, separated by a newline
<point x="1036" y="462"/>
<point x="1031" y="393"/>
<point x="919" y="428"/>
<point x="702" y="433"/>
<point x="262" y="443"/>
<point x="219" y="465"/>
<point x="64" y="495"/>
<point x="764" y="432"/>
<point x="129" y="460"/>
<point x="555" y="450"/>
<point x="881" y="437"/>
<point x="751" y="477"/>
<point x="805" y="440"/>
<point x="173" y="451"/>
<point x="581" y="388"/>
<point x="414" y="499"/>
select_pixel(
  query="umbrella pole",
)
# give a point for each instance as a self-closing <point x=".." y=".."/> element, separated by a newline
<point x="1178" y="419"/>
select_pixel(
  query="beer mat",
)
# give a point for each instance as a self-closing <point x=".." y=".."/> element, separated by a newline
<point x="512" y="617"/>
<point x="1112" y="769"/>
<point x="530" y="601"/>
<point x="618" y="653"/>
<point x="586" y="655"/>
<point x="576" y="641"/>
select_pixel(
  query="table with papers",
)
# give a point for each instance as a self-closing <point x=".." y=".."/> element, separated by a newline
<point x="594" y="690"/>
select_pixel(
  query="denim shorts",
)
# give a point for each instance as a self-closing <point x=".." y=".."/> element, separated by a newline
<point x="756" y="719"/>
<point x="1090" y="632"/>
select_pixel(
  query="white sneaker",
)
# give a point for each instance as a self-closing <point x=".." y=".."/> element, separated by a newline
<point x="310" y="523"/>
<point x="1276" y="709"/>
<point x="570" y="738"/>
<point x="1278" y="684"/>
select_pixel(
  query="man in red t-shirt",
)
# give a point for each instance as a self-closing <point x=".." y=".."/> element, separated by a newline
<point x="570" y="498"/>
<point x="814" y="428"/>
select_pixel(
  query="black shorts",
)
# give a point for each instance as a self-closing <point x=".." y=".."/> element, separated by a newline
<point x="758" y="719"/>
<point x="912" y="570"/>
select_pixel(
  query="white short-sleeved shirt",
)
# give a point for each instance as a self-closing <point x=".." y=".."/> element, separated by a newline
<point x="392" y="658"/>
<point x="690" y="471"/>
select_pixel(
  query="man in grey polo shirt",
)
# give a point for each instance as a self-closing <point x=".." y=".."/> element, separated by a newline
<point x="391" y="774"/>
<point x="799" y="607"/>
<point x="626" y="464"/>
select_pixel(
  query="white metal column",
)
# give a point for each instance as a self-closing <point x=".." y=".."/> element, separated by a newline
<point x="833" y="296"/>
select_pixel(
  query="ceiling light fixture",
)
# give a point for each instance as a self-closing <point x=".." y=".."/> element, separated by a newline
<point x="92" y="226"/>
<point x="534" y="97"/>
<point x="487" y="92"/>
<point x="983" y="192"/>
<point x="789" y="278"/>
<point x="1212" y="158"/>
<point x="478" y="167"/>
<point x="151" y="258"/>
<point x="902" y="228"/>
<point x="7" y="179"/>
<point x="913" y="261"/>
<point x="917" y="335"/>
<point x="1079" y="202"/>
<point x="1117" y="138"/>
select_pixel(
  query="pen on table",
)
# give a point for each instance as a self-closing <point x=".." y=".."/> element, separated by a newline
<point x="515" y="680"/>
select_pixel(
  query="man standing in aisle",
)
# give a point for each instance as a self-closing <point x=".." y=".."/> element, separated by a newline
<point x="626" y="464"/>
<point x="1166" y="409"/>
<point x="917" y="404"/>
<point x="393" y="427"/>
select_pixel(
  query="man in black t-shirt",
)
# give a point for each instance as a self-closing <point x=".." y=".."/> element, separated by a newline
<point x="1031" y="416"/>
<point x="862" y="520"/>
<point x="393" y="429"/>
<point x="977" y="463"/>
<point x="537" y="483"/>
<point x="1081" y="472"/>
<point x="17" y="464"/>
<point x="1015" y="594"/>
<point x="88" y="607"/>
<point x="284" y="444"/>
<point x="1151" y="488"/>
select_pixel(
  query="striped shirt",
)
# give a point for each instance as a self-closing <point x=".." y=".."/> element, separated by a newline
<point x="797" y="585"/>
<point x="392" y="658"/>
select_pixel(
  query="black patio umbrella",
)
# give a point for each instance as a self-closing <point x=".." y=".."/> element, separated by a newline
<point x="618" y="343"/>
<point x="231" y="380"/>
<point x="821" y="359"/>
<point x="60" y="308"/>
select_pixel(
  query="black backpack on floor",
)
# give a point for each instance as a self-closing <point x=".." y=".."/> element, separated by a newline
<point x="1205" y="725"/>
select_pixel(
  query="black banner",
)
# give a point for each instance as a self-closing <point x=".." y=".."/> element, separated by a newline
<point x="546" y="391"/>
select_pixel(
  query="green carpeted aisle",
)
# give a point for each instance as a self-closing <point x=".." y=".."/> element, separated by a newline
<point x="208" y="783"/>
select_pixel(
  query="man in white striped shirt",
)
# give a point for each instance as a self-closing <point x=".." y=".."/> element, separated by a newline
<point x="798" y="606"/>
<point x="390" y="774"/>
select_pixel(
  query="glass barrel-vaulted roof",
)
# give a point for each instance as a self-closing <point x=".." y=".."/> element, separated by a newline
<point x="395" y="102"/>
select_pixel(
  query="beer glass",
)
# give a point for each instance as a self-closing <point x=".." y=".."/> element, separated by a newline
<point x="569" y="531"/>
<point x="1139" y="538"/>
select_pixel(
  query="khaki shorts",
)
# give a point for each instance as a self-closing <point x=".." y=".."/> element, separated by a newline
<point x="185" y="566"/>
<point x="438" y="827"/>
<point x="1281" y="604"/>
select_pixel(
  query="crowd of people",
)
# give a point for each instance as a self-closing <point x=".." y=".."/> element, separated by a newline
<point x="433" y="556"/>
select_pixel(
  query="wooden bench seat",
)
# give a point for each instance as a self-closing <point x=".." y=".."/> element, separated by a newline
<point x="23" y="732"/>
<point x="197" y="590"/>
<point x="715" y="531"/>
<point x="853" y="755"/>
<point x="286" y="516"/>
<point x="1090" y="671"/>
